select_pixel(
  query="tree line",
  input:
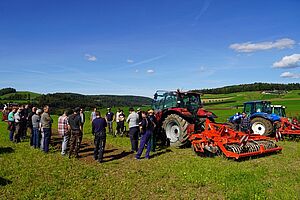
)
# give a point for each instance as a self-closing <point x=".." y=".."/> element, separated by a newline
<point x="4" y="91"/>
<point x="59" y="101"/>
<point x="250" y="87"/>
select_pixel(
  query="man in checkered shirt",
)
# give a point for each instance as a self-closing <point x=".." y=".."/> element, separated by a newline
<point x="64" y="131"/>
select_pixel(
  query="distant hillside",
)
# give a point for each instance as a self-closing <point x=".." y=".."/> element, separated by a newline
<point x="60" y="101"/>
<point x="71" y="100"/>
<point x="250" y="87"/>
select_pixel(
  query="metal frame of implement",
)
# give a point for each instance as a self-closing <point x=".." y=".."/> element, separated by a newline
<point x="288" y="128"/>
<point x="218" y="138"/>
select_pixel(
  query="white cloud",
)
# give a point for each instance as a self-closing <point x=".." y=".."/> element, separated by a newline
<point x="251" y="47"/>
<point x="150" y="71"/>
<point x="291" y="61"/>
<point x="136" y="71"/>
<point x="130" y="61"/>
<point x="90" y="57"/>
<point x="289" y="75"/>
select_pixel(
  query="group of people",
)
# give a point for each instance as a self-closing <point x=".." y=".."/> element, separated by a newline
<point x="39" y="122"/>
<point x="142" y="126"/>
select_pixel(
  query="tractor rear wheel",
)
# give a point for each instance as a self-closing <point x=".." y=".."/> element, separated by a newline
<point x="261" y="126"/>
<point x="175" y="128"/>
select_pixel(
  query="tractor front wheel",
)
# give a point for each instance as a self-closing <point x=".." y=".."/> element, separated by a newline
<point x="175" y="128"/>
<point x="261" y="126"/>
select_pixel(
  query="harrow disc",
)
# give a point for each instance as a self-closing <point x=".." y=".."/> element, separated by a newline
<point x="251" y="146"/>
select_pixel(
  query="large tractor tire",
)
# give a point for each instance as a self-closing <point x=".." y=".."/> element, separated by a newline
<point x="175" y="128"/>
<point x="261" y="126"/>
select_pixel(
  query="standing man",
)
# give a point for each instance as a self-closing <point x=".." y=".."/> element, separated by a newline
<point x="63" y="130"/>
<point x="75" y="126"/>
<point x="82" y="117"/>
<point x="110" y="118"/>
<point x="29" y="124"/>
<point x="153" y="121"/>
<point x="23" y="122"/>
<point x="17" y="134"/>
<point x="46" y="122"/>
<point x="147" y="127"/>
<point x="93" y="115"/>
<point x="117" y="121"/>
<point x="11" y="124"/>
<point x="133" y="121"/>
<point x="98" y="130"/>
<point x="36" y="126"/>
<point x="245" y="123"/>
<point x="120" y="124"/>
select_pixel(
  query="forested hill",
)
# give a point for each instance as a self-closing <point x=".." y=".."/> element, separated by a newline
<point x="250" y="87"/>
<point x="71" y="100"/>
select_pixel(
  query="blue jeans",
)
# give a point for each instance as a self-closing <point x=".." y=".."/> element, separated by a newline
<point x="47" y="136"/>
<point x="65" y="143"/>
<point x="145" y="140"/>
<point x="36" y="138"/>
<point x="11" y="135"/>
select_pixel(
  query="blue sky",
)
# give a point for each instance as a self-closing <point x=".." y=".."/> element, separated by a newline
<point x="138" y="46"/>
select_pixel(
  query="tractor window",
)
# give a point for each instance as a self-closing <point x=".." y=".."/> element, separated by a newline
<point x="171" y="101"/>
<point x="158" y="102"/>
<point x="191" y="102"/>
<point x="248" y="108"/>
<point x="259" y="107"/>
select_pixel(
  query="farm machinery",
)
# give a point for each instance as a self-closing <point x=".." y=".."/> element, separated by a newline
<point x="287" y="127"/>
<point x="219" y="139"/>
<point x="263" y="121"/>
<point x="182" y="119"/>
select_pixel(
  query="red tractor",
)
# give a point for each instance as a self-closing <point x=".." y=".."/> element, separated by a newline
<point x="180" y="114"/>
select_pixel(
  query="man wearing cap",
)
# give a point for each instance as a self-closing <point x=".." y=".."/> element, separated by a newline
<point x="75" y="125"/>
<point x="133" y="121"/>
<point x="109" y="119"/>
<point x="98" y="130"/>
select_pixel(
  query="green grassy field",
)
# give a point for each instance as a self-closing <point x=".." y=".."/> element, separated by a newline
<point x="171" y="173"/>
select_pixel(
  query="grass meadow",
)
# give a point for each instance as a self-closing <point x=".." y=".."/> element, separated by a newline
<point x="171" y="173"/>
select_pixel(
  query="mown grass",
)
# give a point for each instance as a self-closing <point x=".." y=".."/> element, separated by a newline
<point x="171" y="174"/>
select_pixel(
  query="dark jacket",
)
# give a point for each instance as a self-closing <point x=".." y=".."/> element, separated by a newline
<point x="98" y="125"/>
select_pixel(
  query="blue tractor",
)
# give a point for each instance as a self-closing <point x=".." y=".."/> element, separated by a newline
<point x="262" y="118"/>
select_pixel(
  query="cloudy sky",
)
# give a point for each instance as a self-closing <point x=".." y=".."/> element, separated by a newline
<point x="139" y="46"/>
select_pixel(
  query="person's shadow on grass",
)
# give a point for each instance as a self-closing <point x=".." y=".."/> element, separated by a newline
<point x="6" y="150"/>
<point x="4" y="182"/>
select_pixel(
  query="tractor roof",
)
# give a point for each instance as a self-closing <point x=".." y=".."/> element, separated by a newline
<point x="278" y="106"/>
<point x="181" y="92"/>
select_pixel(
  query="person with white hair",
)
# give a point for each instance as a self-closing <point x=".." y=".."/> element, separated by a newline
<point x="17" y="117"/>
<point x="36" y="127"/>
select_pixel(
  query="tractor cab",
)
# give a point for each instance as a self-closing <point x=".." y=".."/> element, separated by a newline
<point x="175" y="99"/>
<point x="257" y="107"/>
